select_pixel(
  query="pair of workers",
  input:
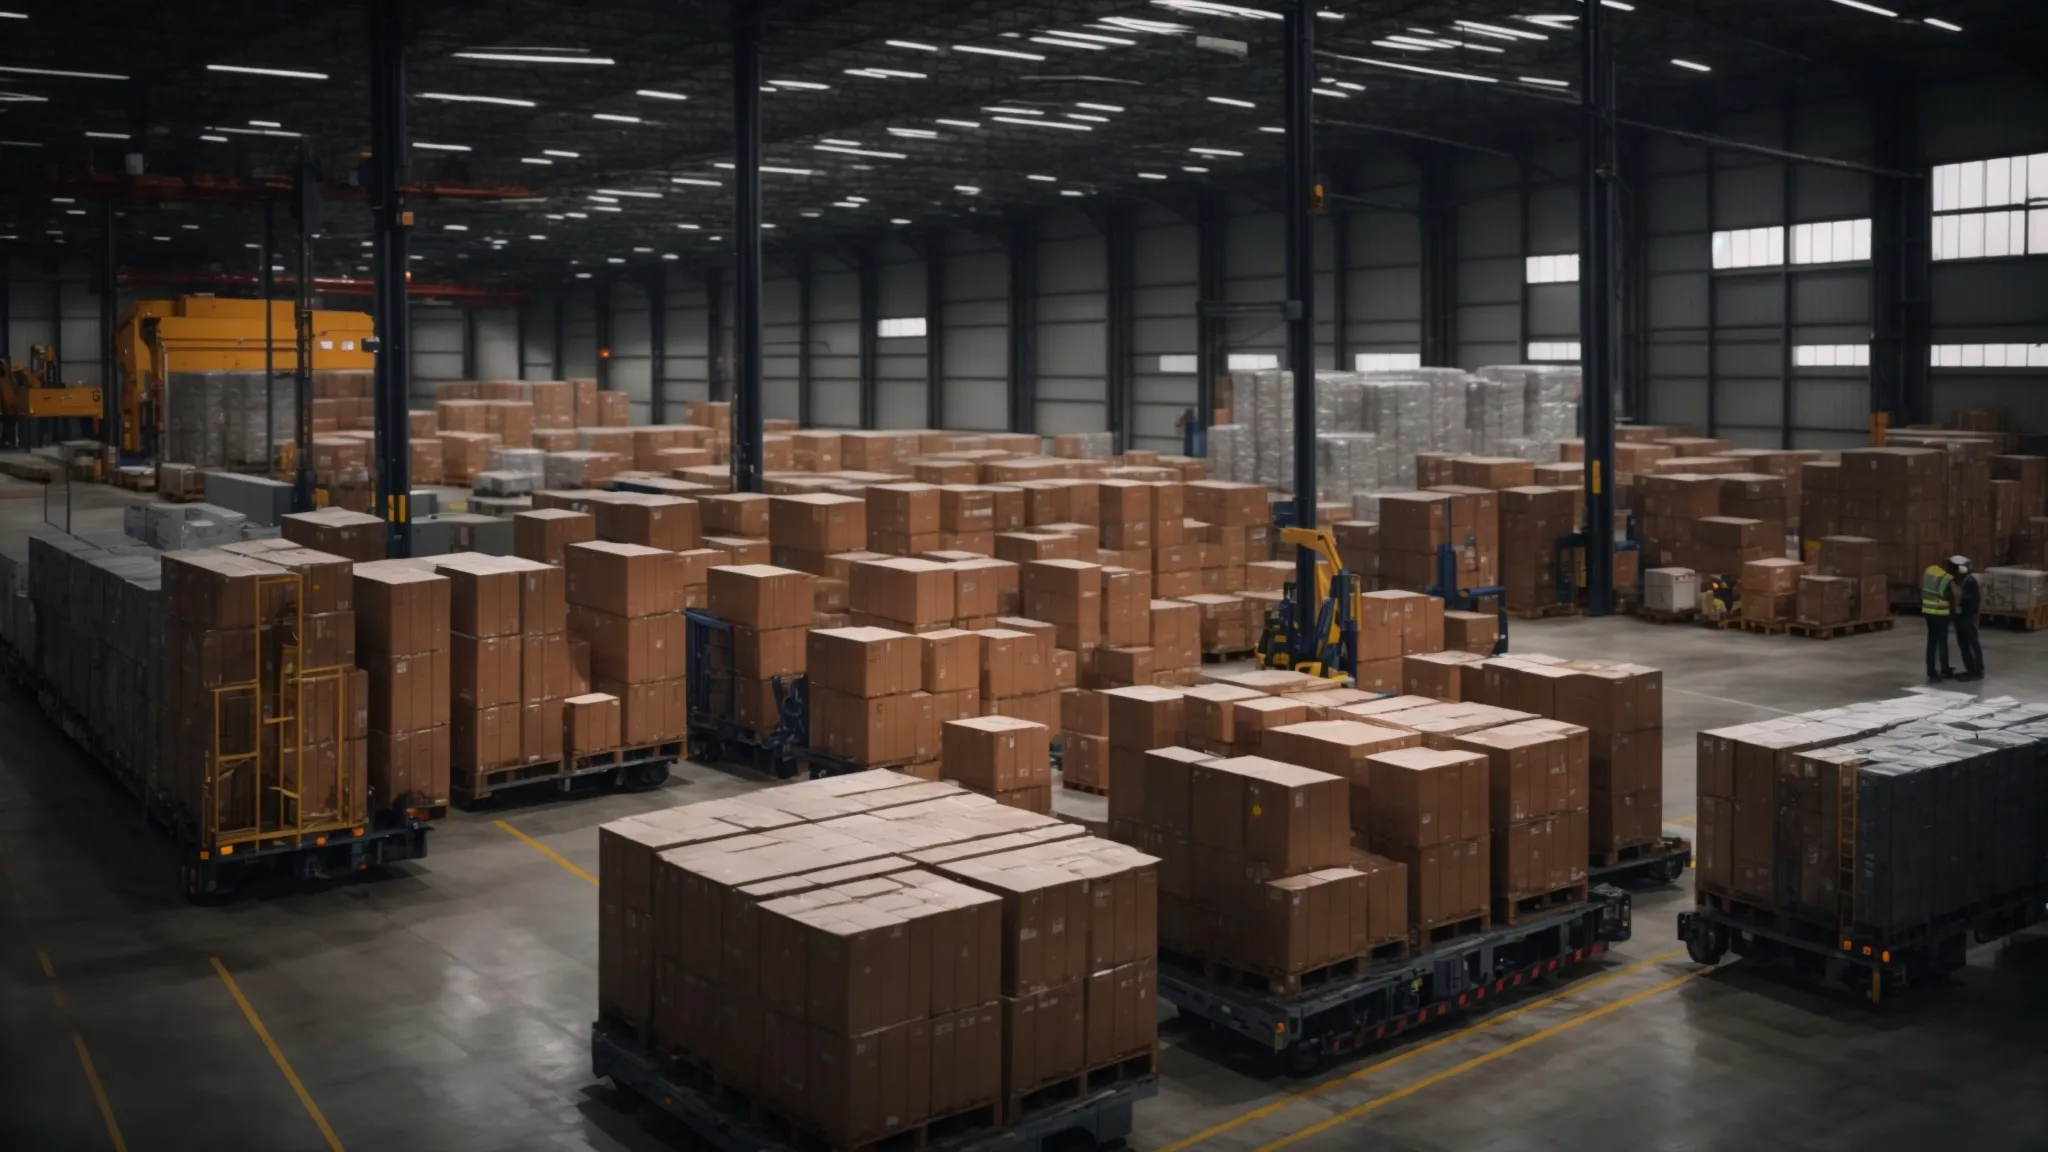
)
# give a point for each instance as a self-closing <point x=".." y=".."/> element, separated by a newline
<point x="1949" y="593"/>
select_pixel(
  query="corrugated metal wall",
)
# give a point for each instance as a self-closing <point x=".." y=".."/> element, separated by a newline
<point x="1163" y="324"/>
<point x="1487" y="255"/>
<point x="1385" y="284"/>
<point x="835" y="344"/>
<point x="437" y="349"/>
<point x="976" y="315"/>
<point x="780" y="338"/>
<point x="899" y="360"/>
<point x="1073" y="326"/>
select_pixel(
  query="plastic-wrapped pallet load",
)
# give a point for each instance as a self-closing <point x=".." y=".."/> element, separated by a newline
<point x="1496" y="409"/>
<point x="195" y="418"/>
<point x="1229" y="449"/>
<point x="1398" y="409"/>
<point x="1340" y="402"/>
<point x="246" y="400"/>
<point x="1272" y="393"/>
<point x="503" y="483"/>
<point x="1347" y="463"/>
<point x="1551" y="403"/>
<point x="528" y="461"/>
<point x="2013" y="589"/>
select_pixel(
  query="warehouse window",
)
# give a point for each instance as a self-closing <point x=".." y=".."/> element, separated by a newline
<point x="1562" y="269"/>
<point x="1253" y="361"/>
<point x="1989" y="356"/>
<point x="1179" y="364"/>
<point x="899" y="326"/>
<point x="1831" y="355"/>
<point x="1386" y="361"/>
<point x="1983" y="208"/>
<point x="1750" y="247"/>
<point x="1831" y="242"/>
<point x="1554" y="350"/>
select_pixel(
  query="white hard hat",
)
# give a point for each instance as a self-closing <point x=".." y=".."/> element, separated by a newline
<point x="1960" y="561"/>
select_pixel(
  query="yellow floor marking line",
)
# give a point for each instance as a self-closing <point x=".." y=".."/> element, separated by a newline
<point x="546" y="851"/>
<point x="92" y="1076"/>
<point x="277" y="1054"/>
<point x="1289" y="1101"/>
<point x="1533" y="1038"/>
<point x="99" y="1094"/>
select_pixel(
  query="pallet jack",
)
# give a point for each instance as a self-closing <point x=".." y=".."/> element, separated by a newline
<point x="1457" y="599"/>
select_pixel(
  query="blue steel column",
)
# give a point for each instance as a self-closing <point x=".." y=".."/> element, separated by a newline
<point x="746" y="114"/>
<point x="1301" y="289"/>
<point x="1596" y="304"/>
<point x="393" y="385"/>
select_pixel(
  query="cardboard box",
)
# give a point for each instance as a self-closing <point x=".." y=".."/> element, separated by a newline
<point x="760" y="596"/>
<point x="913" y="592"/>
<point x="622" y="579"/>
<point x="1423" y="796"/>
<point x="818" y="522"/>
<point x="1014" y="663"/>
<point x="866" y="662"/>
<point x="995" y="754"/>
<point x="592" y="723"/>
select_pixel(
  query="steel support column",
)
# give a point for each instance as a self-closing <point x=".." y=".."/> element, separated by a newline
<point x="746" y="123"/>
<point x="109" y="288"/>
<point x="469" y="344"/>
<point x="519" y="340"/>
<point x="657" y="346"/>
<point x="390" y="318"/>
<point x="1120" y="247"/>
<point x="1713" y="358"/>
<point x="803" y="340"/>
<point x="1901" y="247"/>
<point x="1299" y="189"/>
<point x="392" y="222"/>
<point x="717" y="384"/>
<point x="1439" y="221"/>
<point x="1596" y="302"/>
<point x="560" y="353"/>
<point x="1635" y="295"/>
<point x="1340" y="290"/>
<point x="1022" y="250"/>
<point x="1209" y="269"/>
<point x="868" y="290"/>
<point x="935" y="330"/>
<point x="269" y="284"/>
<point x="1788" y="187"/>
<point x="601" y="326"/>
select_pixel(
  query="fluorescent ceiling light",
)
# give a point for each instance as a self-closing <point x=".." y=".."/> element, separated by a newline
<point x="1696" y="67"/>
<point x="913" y="45"/>
<point x="809" y="213"/>
<point x="1498" y="32"/>
<point x="1942" y="24"/>
<point x="609" y="208"/>
<point x="265" y="124"/>
<point x="534" y="160"/>
<point x="914" y="133"/>
<point x="644" y="251"/>
<point x="845" y="151"/>
<point x="689" y="227"/>
<point x="899" y="220"/>
<point x="19" y="144"/>
<point x="1210" y="8"/>
<point x="1138" y="24"/>
<point x="1085" y="116"/>
<point x="1870" y="8"/>
<point x="1192" y="168"/>
<point x="1096" y="37"/>
<point x="1396" y="64"/>
<point x="844" y="204"/>
<point x="959" y="123"/>
<point x="159" y="238"/>
<point x="558" y="152"/>
<point x="441" y="147"/>
<point x="774" y="169"/>
<point x="1015" y="111"/>
<point x="858" y="199"/>
<point x="1233" y="101"/>
<point x="840" y="143"/>
<point x="967" y="189"/>
<point x="189" y="227"/>
<point x="551" y="216"/>
<point x="64" y="75"/>
<point x="1349" y="85"/>
<point x="1045" y="123"/>
<point x="108" y="135"/>
<point x="254" y="131"/>
<point x="534" y="58"/>
<point x="63" y="199"/>
<point x="1099" y="107"/>
<point x="22" y="98"/>
<point x="74" y="211"/>
<point x="1046" y="179"/>
<point x="536" y="237"/>
<point x="615" y="259"/>
<point x="1543" y="82"/>
<point x="615" y="118"/>
<point x="670" y="256"/>
<point x="13" y="15"/>
<point x="885" y="73"/>
<point x="1006" y="52"/>
<point x="212" y="139"/>
<point x="1214" y="152"/>
<point x="285" y="73"/>
<point x="1151" y="175"/>
<point x="1056" y="42"/>
<point x="1270" y="128"/>
<point x="583" y="275"/>
<point x="1408" y="42"/>
<point x="455" y="227"/>
<point x="1330" y="92"/>
<point x="806" y="85"/>
<point x="577" y="215"/>
<point x="658" y="94"/>
<point x="623" y="192"/>
<point x="1072" y="192"/>
<point x="461" y="98"/>
<point x="596" y="199"/>
<point x="698" y="181"/>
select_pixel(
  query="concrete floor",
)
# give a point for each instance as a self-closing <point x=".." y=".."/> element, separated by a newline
<point x="445" y="1005"/>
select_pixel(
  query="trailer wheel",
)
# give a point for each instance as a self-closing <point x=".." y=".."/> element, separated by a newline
<point x="1705" y="942"/>
<point x="1672" y="870"/>
<point x="641" y="777"/>
<point x="1303" y="1059"/>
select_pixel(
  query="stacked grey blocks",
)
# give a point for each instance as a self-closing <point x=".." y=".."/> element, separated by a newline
<point x="261" y="499"/>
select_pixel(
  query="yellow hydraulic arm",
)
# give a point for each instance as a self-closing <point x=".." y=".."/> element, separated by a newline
<point x="1280" y="647"/>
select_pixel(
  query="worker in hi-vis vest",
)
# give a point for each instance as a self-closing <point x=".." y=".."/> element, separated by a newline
<point x="1969" y="602"/>
<point x="1937" y="601"/>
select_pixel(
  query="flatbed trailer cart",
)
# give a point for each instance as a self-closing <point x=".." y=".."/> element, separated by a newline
<point x="1664" y="862"/>
<point x="207" y="871"/>
<point x="1099" y="1115"/>
<point x="1393" y="996"/>
<point x="1874" y="967"/>
<point x="624" y="769"/>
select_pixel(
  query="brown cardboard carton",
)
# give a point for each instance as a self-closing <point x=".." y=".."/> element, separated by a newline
<point x="761" y="596"/>
<point x="914" y="592"/>
<point x="1423" y="796"/>
<point x="485" y="672"/>
<point x="665" y="522"/>
<point x="992" y="754"/>
<point x="1144" y="717"/>
<point x="775" y="652"/>
<point x="632" y="649"/>
<point x="821" y="523"/>
<point x="1340" y="748"/>
<point x="592" y="723"/>
<point x="622" y="579"/>
<point x="1014" y="663"/>
<point x="865" y="661"/>
<point x="400" y="610"/>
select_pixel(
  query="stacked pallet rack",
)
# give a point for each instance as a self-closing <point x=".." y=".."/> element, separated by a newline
<point x="1393" y="996"/>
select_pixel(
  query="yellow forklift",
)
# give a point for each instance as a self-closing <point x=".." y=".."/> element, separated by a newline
<point x="33" y="396"/>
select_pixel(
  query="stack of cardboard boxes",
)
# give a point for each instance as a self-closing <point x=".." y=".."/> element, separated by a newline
<point x="769" y="609"/>
<point x="804" y="529"/>
<point x="1538" y="803"/>
<point x="1900" y="498"/>
<point x="1851" y="585"/>
<point x="1002" y="757"/>
<point x="356" y="536"/>
<point x="1770" y="589"/>
<point x="403" y="639"/>
<point x="508" y="665"/>
<point x="625" y="603"/>
<point x="868" y="704"/>
<point x="1532" y="520"/>
<point x="1017" y="675"/>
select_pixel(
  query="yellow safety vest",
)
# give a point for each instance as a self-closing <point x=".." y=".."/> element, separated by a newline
<point x="1934" y="585"/>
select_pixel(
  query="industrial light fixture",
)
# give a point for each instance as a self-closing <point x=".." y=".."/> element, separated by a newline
<point x="810" y="213"/>
<point x="1096" y="37"/>
<point x="265" y="124"/>
<point x="254" y="131"/>
<point x="1498" y="32"/>
<point x="1098" y="107"/>
<point x="773" y="169"/>
<point x="1211" y="8"/>
<point x="1015" y="111"/>
<point x="1192" y="168"/>
<point x="844" y="204"/>
<point x="212" y="139"/>
<point x="1232" y="101"/>
<point x="189" y="227"/>
<point x="597" y="199"/>
<point x="1271" y="129"/>
<point x="898" y="220"/>
<point x="1009" y="53"/>
<point x="1214" y="152"/>
<point x="670" y="256"/>
<point x="1944" y="25"/>
<point x="1072" y="192"/>
<point x="282" y="73"/>
<point x="464" y="98"/>
<point x="583" y="275"/>
<point x="696" y="181"/>
<point x="534" y="58"/>
<point x="914" y="133"/>
<point x="551" y="216"/>
<point x="609" y="208"/>
<point x="615" y="118"/>
<point x="840" y="143"/>
<point x="689" y="227"/>
<point x="534" y="160"/>
<point x="577" y="215"/>
<point x="455" y="227"/>
<point x="959" y="123"/>
<point x="22" y="98"/>
<point x="886" y="73"/>
<point x="1046" y="123"/>
<point x="1693" y="65"/>
<point x="1544" y="82"/>
<point x="108" y="135"/>
<point x="1056" y="42"/>
<point x="658" y="94"/>
<point x="1870" y="8"/>
<point x="913" y="45"/>
<point x="1138" y="24"/>
<point x="1046" y="179"/>
<point x="846" y="151"/>
<point x="625" y="192"/>
<point x="644" y="251"/>
<point x="967" y="189"/>
<point x="13" y="15"/>
<point x="806" y="85"/>
<point x="615" y="259"/>
<point x="563" y="155"/>
<point x="1151" y="175"/>
<point x="15" y="70"/>
<point x="1399" y="66"/>
<point x="431" y="147"/>
<point x="1086" y="116"/>
<point x="1331" y="92"/>
<point x="858" y="199"/>
<point x="19" y="144"/>
<point x="1349" y="85"/>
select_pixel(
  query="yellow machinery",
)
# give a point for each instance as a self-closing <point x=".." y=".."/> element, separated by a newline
<point x="32" y="390"/>
<point x="1330" y="648"/>
<point x="214" y="334"/>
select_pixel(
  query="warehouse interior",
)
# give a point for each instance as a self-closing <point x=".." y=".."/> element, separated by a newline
<point x="1110" y="226"/>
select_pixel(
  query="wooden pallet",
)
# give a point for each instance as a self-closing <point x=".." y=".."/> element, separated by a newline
<point x="1280" y="983"/>
<point x="1515" y="909"/>
<point x="1227" y="657"/>
<point x="1091" y="789"/>
<point x="1018" y="1106"/>
<point x="1427" y="935"/>
<point x="2032" y="620"/>
<point x="1830" y="631"/>
<point x="1546" y="612"/>
<point x="1653" y="616"/>
<point x="1627" y="854"/>
<point x="1743" y="624"/>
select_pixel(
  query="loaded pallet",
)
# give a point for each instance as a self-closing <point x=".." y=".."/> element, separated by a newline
<point x="2030" y="620"/>
<point x="1661" y="862"/>
<point x="1814" y="631"/>
<point x="1093" y="1108"/>
<point x="1390" y="997"/>
<point x="625" y="769"/>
